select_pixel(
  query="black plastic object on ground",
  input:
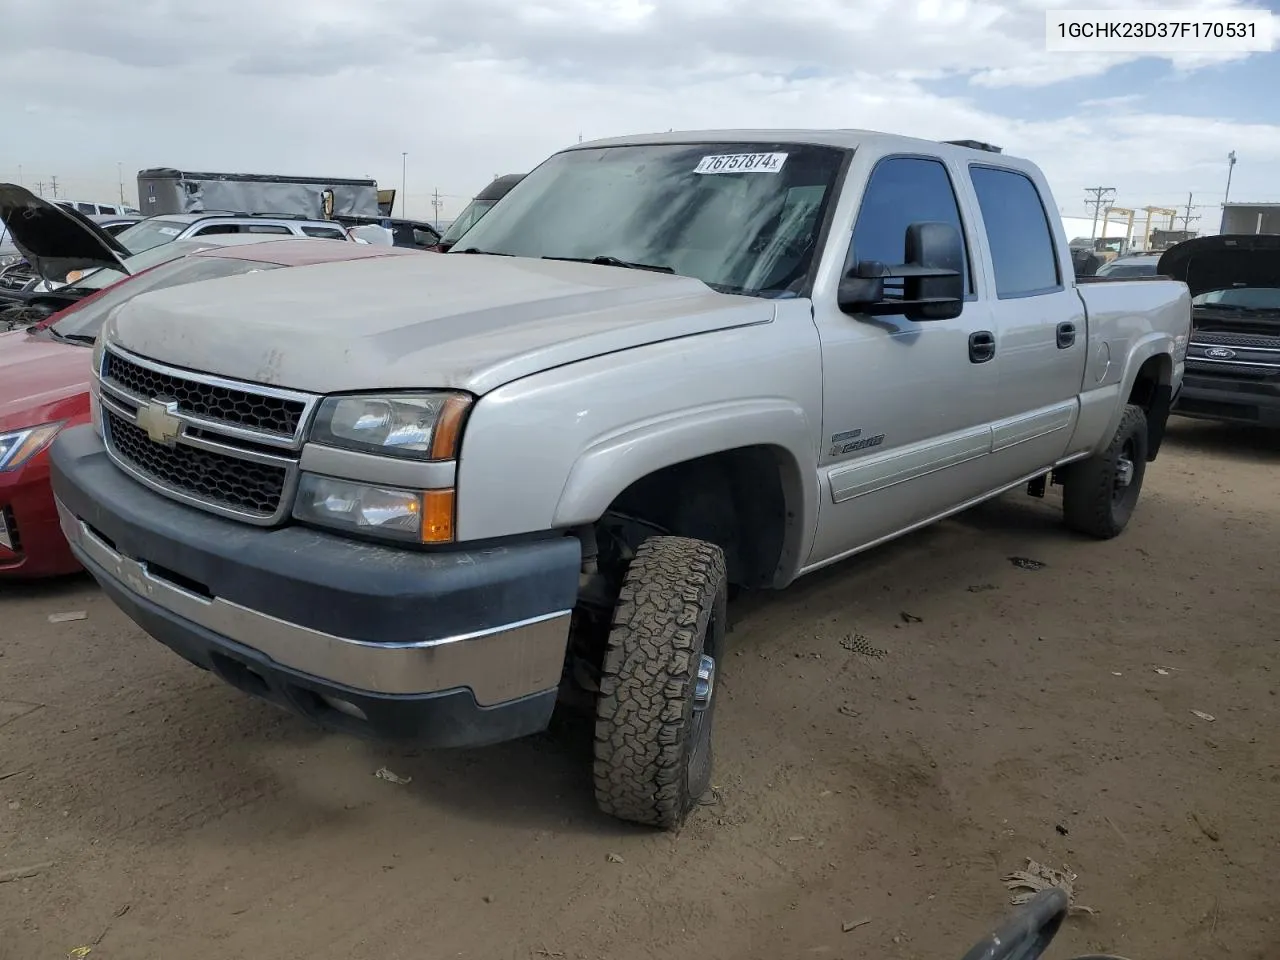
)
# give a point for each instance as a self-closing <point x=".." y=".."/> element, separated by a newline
<point x="1026" y="934"/>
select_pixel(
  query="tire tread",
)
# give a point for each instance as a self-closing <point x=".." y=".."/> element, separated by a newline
<point x="644" y="708"/>
<point x="1086" y="495"/>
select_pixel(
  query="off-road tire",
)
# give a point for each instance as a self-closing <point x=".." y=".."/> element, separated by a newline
<point x="1091" y="503"/>
<point x="652" y="761"/>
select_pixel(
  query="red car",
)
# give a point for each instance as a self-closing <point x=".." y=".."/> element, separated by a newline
<point x="44" y="382"/>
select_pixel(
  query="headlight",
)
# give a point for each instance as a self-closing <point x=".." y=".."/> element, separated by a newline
<point x="18" y="447"/>
<point x="412" y="426"/>
<point x="420" y="516"/>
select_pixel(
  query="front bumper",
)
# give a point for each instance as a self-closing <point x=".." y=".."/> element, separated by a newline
<point x="1246" y="394"/>
<point x="454" y="648"/>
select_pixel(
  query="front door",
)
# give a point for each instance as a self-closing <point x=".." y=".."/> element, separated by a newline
<point x="906" y="404"/>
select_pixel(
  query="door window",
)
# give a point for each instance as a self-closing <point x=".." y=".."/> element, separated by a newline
<point x="903" y="191"/>
<point x="1018" y="234"/>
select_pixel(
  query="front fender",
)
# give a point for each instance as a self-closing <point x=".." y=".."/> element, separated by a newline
<point x="615" y="462"/>
<point x="552" y="451"/>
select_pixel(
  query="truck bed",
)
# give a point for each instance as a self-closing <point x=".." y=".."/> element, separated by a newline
<point x="1126" y="310"/>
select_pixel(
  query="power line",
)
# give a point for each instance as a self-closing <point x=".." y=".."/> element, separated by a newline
<point x="1186" y="218"/>
<point x="1101" y="195"/>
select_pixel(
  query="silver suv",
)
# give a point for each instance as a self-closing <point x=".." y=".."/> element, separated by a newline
<point x="154" y="231"/>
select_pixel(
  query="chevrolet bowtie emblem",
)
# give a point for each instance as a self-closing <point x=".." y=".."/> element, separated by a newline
<point x="157" y="418"/>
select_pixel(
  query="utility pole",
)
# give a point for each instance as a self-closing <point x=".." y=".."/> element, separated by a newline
<point x="436" y="204"/>
<point x="53" y="185"/>
<point x="404" y="179"/>
<point x="39" y="185"/>
<point x="1186" y="218"/>
<point x="120" y="177"/>
<point x="1231" y="164"/>
<point x="1101" y="196"/>
<point x="20" y="175"/>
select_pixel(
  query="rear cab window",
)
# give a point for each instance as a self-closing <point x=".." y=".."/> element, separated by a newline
<point x="902" y="191"/>
<point x="324" y="233"/>
<point x="1023" y="253"/>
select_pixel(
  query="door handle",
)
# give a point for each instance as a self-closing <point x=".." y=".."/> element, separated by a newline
<point x="982" y="346"/>
<point x="1066" y="335"/>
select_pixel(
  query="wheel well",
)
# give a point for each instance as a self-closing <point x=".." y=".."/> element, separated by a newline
<point x="735" y="499"/>
<point x="1152" y="392"/>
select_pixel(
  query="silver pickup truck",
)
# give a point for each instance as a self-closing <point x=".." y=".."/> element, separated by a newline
<point x="421" y="497"/>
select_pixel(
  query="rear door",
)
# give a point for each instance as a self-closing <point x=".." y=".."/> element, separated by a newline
<point x="1042" y="342"/>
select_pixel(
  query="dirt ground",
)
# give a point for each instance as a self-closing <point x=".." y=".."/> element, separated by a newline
<point x="1042" y="714"/>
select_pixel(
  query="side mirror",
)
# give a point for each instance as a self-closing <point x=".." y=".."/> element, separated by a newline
<point x="932" y="278"/>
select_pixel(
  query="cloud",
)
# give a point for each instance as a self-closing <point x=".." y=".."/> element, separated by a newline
<point x="476" y="88"/>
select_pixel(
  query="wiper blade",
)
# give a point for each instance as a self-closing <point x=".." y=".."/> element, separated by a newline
<point x="70" y="337"/>
<point x="485" y="253"/>
<point x="608" y="261"/>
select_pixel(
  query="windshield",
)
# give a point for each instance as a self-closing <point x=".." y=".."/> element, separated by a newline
<point x="105" y="276"/>
<point x="741" y="217"/>
<point x="1241" y="298"/>
<point x="473" y="212"/>
<point x="83" y="321"/>
<point x="150" y="233"/>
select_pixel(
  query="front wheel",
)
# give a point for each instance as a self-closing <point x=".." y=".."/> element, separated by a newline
<point x="657" y="686"/>
<point x="1100" y="494"/>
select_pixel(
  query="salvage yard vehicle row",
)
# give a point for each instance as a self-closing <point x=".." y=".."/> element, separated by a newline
<point x="414" y="497"/>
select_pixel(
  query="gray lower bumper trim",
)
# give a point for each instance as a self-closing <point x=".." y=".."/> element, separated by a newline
<point x="497" y="665"/>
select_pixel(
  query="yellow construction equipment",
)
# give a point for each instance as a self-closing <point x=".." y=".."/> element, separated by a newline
<point x="1108" y="248"/>
<point x="1151" y="213"/>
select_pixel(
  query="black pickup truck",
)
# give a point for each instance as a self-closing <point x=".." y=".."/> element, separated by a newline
<point x="1233" y="359"/>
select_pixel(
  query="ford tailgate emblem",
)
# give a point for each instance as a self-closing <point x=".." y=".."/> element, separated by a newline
<point x="1220" y="353"/>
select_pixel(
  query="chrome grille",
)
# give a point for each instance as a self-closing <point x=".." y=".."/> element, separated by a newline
<point x="1220" y="338"/>
<point x="1232" y="368"/>
<point x="227" y="447"/>
<point x="256" y="488"/>
<point x="223" y="404"/>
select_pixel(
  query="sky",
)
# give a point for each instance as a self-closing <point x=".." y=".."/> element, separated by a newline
<point x="442" y="95"/>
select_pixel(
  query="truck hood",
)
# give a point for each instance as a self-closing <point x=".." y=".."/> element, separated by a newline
<point x="55" y="240"/>
<point x="458" y="321"/>
<point x="34" y="373"/>
<point x="1206" y="264"/>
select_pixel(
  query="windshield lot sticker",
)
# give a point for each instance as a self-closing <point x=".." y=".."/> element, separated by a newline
<point x="741" y="163"/>
<point x="170" y="231"/>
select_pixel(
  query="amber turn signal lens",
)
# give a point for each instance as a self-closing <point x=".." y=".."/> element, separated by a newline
<point x="448" y="429"/>
<point x="437" y="516"/>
